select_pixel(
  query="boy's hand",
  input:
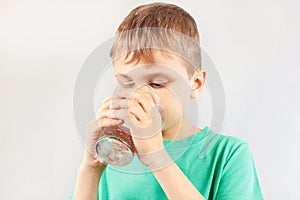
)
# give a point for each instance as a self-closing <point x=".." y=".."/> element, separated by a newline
<point x="144" y="117"/>
<point x="94" y="128"/>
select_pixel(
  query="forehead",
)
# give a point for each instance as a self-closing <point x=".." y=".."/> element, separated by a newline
<point x="143" y="72"/>
<point x="162" y="67"/>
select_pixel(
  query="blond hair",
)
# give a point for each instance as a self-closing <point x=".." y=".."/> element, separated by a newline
<point x="158" y="26"/>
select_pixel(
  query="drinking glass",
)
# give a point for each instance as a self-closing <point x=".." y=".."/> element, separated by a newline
<point x="115" y="145"/>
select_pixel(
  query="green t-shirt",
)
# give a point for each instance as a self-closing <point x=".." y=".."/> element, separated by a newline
<point x="219" y="166"/>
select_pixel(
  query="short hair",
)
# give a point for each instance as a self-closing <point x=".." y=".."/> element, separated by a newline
<point x="158" y="26"/>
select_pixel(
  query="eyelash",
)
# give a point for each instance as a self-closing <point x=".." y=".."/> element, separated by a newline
<point x="155" y="85"/>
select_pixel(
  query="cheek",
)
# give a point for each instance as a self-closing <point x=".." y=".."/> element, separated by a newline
<point x="171" y="105"/>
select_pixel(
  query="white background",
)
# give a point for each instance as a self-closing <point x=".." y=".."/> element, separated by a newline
<point x="254" y="45"/>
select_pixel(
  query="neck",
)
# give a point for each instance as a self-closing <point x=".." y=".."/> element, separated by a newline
<point x="180" y="130"/>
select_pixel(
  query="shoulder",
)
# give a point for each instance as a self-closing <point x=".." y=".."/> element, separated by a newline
<point x="231" y="155"/>
<point x="235" y="164"/>
<point x="231" y="142"/>
<point x="226" y="145"/>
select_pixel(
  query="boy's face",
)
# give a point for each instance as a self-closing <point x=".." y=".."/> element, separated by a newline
<point x="170" y="81"/>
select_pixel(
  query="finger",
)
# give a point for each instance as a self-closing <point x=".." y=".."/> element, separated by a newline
<point x="151" y="92"/>
<point x="107" y="102"/>
<point x="125" y="94"/>
<point x="95" y="126"/>
<point x="106" y="99"/>
<point x="144" y="100"/>
<point x="141" y="96"/>
<point x="119" y="103"/>
<point x="108" y="113"/>
<point x="137" y="111"/>
<point x="108" y="122"/>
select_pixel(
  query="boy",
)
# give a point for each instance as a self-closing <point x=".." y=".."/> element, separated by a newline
<point x="153" y="68"/>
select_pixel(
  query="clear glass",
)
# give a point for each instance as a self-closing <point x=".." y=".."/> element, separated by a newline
<point x="115" y="146"/>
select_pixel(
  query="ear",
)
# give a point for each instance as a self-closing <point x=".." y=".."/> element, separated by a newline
<point x="197" y="83"/>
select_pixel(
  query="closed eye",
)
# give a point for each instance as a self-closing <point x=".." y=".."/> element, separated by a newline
<point x="157" y="85"/>
<point x="128" y="84"/>
<point x="153" y="85"/>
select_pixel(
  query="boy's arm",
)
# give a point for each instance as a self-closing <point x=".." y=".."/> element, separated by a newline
<point x="91" y="168"/>
<point x="87" y="183"/>
<point x="172" y="180"/>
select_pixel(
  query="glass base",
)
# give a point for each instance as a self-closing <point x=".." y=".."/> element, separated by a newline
<point x="114" y="151"/>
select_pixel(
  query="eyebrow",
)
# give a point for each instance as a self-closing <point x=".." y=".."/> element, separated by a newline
<point x="122" y="75"/>
<point x="146" y="76"/>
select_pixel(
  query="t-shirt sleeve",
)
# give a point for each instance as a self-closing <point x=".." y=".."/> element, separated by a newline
<point x="71" y="195"/>
<point x="239" y="178"/>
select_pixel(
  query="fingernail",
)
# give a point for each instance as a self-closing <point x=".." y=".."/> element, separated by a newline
<point x="103" y="100"/>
